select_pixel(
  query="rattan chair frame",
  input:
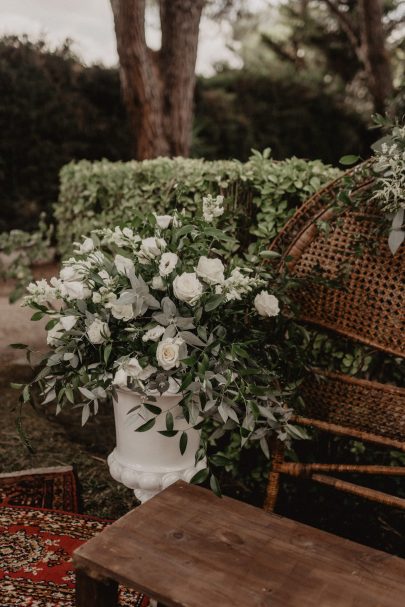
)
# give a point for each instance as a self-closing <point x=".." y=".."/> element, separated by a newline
<point x="299" y="234"/>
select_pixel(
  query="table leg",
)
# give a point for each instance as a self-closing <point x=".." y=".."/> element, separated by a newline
<point x="95" y="593"/>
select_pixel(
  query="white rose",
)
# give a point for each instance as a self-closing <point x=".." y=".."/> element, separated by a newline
<point x="170" y="351"/>
<point x="98" y="331"/>
<point x="151" y="248"/>
<point x="121" y="311"/>
<point x="187" y="287"/>
<point x="153" y="334"/>
<point x="96" y="297"/>
<point x="75" y="289"/>
<point x="168" y="262"/>
<point x="267" y="304"/>
<point x="124" y="265"/>
<point x="210" y="270"/>
<point x="158" y="284"/>
<point x="163" y="221"/>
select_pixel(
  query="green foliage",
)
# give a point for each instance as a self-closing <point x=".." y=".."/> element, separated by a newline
<point x="52" y="109"/>
<point x="239" y="110"/>
<point x="264" y="192"/>
<point x="19" y="251"/>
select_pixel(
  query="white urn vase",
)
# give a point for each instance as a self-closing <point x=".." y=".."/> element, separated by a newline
<point x="148" y="462"/>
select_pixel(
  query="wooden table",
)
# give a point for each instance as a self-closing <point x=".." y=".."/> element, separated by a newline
<point x="188" y="548"/>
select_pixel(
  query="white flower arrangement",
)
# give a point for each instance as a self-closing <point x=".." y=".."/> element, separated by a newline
<point x="159" y="307"/>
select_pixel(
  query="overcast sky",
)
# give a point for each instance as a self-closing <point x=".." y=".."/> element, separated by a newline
<point x="89" y="23"/>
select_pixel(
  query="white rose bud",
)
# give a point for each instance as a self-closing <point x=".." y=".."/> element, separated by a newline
<point x="163" y="221"/>
<point x="121" y="311"/>
<point x="124" y="265"/>
<point x="187" y="287"/>
<point x="267" y="304"/>
<point x="158" y="284"/>
<point x="210" y="270"/>
<point x="98" y="332"/>
<point x="150" y="249"/>
<point x="168" y="262"/>
<point x="153" y="334"/>
<point x="170" y="351"/>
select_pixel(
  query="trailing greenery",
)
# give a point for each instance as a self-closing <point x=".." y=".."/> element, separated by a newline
<point x="264" y="192"/>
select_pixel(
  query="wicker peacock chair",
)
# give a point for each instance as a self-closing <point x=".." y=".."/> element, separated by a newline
<point x="370" y="309"/>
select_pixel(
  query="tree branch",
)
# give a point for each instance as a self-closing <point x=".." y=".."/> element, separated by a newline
<point x="346" y="28"/>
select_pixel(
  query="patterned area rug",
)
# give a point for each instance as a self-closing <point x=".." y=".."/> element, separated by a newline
<point x="53" y="488"/>
<point x="36" y="547"/>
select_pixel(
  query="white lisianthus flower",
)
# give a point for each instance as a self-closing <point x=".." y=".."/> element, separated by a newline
<point x="210" y="270"/>
<point x="266" y="304"/>
<point x="98" y="332"/>
<point x="65" y="323"/>
<point x="121" y="311"/>
<point x="212" y="207"/>
<point x="54" y="335"/>
<point x="132" y="369"/>
<point x="70" y="273"/>
<point x="124" y="265"/>
<point x="75" y="289"/>
<point x="163" y="221"/>
<point x="68" y="322"/>
<point x="72" y="285"/>
<point x="170" y="351"/>
<point x="158" y="284"/>
<point x="151" y="248"/>
<point x="85" y="247"/>
<point x="187" y="287"/>
<point x="96" y="297"/>
<point x="167" y="263"/>
<point x="153" y="334"/>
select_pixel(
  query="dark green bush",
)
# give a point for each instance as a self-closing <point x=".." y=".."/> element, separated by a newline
<point x="238" y="110"/>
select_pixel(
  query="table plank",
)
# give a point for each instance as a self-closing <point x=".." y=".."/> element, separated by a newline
<point x="188" y="548"/>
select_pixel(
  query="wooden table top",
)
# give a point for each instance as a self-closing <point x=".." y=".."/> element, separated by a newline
<point x="186" y="547"/>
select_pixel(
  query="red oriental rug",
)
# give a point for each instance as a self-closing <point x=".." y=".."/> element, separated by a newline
<point x="54" y="488"/>
<point x="35" y="552"/>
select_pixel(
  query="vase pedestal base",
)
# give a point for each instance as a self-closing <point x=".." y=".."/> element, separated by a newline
<point x="146" y="483"/>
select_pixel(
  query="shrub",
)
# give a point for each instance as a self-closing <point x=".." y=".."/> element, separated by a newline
<point x="264" y="192"/>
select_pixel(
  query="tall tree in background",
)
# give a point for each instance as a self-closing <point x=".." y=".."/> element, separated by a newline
<point x="368" y="39"/>
<point x="158" y="86"/>
<point x="374" y="53"/>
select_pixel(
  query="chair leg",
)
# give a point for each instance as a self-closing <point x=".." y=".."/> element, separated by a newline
<point x="274" y="478"/>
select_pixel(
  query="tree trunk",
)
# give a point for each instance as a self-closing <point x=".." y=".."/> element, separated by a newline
<point x="375" y="55"/>
<point x="158" y="87"/>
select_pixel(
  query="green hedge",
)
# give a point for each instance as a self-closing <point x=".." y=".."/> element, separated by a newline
<point x="264" y="192"/>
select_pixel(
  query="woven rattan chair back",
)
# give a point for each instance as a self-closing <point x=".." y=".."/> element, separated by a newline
<point x="369" y="309"/>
